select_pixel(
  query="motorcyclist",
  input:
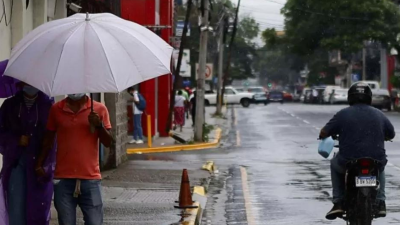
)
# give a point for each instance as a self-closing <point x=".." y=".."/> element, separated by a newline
<point x="362" y="132"/>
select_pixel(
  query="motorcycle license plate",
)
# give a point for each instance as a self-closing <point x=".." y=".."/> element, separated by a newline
<point x="366" y="181"/>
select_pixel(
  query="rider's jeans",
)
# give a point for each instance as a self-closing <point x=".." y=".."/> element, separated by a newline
<point x="338" y="177"/>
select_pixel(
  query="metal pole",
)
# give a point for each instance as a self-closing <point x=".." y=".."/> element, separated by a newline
<point x="220" y="65"/>
<point x="384" y="69"/>
<point x="178" y="67"/>
<point x="200" y="120"/>
<point x="229" y="57"/>
<point x="364" y="65"/>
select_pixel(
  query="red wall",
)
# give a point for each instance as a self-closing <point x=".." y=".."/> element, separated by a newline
<point x="391" y="61"/>
<point x="143" y="12"/>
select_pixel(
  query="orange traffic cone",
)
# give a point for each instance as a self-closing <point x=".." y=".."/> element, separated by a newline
<point x="185" y="195"/>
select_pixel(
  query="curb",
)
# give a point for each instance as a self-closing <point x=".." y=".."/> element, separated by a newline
<point x="209" y="166"/>
<point x="177" y="148"/>
<point x="193" y="216"/>
<point x="199" y="197"/>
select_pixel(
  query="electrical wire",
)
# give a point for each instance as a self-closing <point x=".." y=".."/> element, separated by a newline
<point x="4" y="11"/>
<point x="4" y="15"/>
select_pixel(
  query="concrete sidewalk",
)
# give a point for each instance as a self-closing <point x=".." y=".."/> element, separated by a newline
<point x="168" y="144"/>
<point x="144" y="192"/>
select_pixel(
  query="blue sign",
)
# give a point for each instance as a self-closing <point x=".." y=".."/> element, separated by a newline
<point x="186" y="83"/>
<point x="355" y="77"/>
<point x="179" y="28"/>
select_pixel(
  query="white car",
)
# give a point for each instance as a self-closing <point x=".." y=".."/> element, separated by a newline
<point x="232" y="96"/>
<point x="339" y="96"/>
<point x="328" y="91"/>
<point x="380" y="97"/>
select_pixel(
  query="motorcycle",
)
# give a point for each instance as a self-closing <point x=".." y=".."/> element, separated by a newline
<point x="362" y="185"/>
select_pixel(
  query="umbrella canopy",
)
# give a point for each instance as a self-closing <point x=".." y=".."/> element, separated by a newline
<point x="89" y="53"/>
<point x="7" y="84"/>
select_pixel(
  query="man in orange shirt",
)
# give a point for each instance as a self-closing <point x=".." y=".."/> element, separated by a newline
<point x="77" y="179"/>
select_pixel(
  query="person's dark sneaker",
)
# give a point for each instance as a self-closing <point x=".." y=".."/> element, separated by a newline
<point x="336" y="211"/>
<point x="381" y="209"/>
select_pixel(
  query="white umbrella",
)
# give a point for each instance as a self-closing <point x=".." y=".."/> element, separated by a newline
<point x="89" y="53"/>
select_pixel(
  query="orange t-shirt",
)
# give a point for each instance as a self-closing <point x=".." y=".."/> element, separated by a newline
<point x="77" y="147"/>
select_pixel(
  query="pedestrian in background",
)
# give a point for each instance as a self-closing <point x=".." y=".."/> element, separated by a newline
<point x="139" y="105"/>
<point x="77" y="176"/>
<point x="187" y="93"/>
<point x="179" y="110"/>
<point x="23" y="121"/>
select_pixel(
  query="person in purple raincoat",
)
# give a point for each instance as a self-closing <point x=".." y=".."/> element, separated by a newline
<point x="23" y="120"/>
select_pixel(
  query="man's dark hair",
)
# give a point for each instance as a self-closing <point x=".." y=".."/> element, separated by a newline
<point x="180" y="92"/>
<point x="130" y="89"/>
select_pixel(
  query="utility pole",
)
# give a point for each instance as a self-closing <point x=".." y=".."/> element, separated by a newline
<point x="364" y="65"/>
<point x="231" y="43"/>
<point x="200" y="117"/>
<point x="220" y="63"/>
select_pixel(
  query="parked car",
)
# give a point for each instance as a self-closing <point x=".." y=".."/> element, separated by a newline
<point x="296" y="97"/>
<point x="240" y="89"/>
<point x="308" y="96"/>
<point x="275" y="96"/>
<point x="328" y="92"/>
<point x="287" y="97"/>
<point x="304" y="93"/>
<point x="260" y="95"/>
<point x="380" y="97"/>
<point x="319" y="98"/>
<point x="232" y="96"/>
<point x="339" y="96"/>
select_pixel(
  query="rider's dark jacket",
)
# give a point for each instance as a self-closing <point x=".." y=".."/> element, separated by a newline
<point x="362" y="131"/>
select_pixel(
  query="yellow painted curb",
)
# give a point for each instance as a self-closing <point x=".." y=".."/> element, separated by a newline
<point x="192" y="215"/>
<point x="209" y="166"/>
<point x="200" y="190"/>
<point x="177" y="148"/>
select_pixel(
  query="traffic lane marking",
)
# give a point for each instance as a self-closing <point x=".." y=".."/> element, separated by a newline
<point x="246" y="195"/>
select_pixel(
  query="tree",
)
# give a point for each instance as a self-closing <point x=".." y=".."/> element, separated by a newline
<point x="339" y="24"/>
<point x="244" y="50"/>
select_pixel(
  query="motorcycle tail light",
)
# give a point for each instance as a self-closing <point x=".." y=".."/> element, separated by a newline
<point x="365" y="171"/>
<point x="365" y="162"/>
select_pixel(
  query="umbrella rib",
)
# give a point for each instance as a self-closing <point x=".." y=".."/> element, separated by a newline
<point x="138" y="40"/>
<point x="23" y="48"/>
<point x="105" y="54"/>
<point x="59" y="59"/>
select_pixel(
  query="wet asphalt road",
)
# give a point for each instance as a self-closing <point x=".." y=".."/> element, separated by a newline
<point x="270" y="171"/>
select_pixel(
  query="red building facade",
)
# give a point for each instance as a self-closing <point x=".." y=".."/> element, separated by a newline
<point x="158" y="16"/>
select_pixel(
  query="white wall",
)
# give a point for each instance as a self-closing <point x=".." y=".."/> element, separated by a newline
<point x="24" y="20"/>
<point x="5" y="32"/>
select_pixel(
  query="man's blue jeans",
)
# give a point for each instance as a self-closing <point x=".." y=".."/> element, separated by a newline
<point x="137" y="127"/>
<point x="338" y="173"/>
<point x="89" y="201"/>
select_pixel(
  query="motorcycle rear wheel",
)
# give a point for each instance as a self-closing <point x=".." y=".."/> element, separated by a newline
<point x="363" y="211"/>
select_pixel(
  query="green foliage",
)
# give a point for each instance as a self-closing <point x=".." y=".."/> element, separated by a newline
<point x="395" y="80"/>
<point x="339" y="24"/>
<point x="207" y="128"/>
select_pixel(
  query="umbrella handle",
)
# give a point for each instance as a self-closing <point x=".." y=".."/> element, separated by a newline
<point x="91" y="99"/>
<point x="92" y="128"/>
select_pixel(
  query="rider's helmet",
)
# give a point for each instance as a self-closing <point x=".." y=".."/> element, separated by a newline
<point x="359" y="93"/>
